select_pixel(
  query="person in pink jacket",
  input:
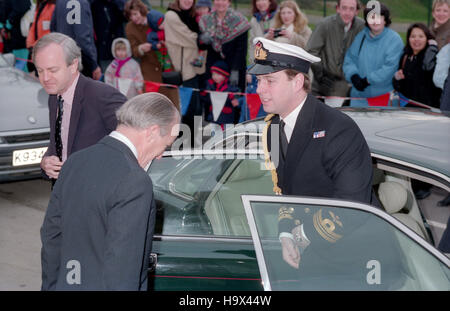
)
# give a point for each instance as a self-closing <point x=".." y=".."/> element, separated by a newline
<point x="124" y="73"/>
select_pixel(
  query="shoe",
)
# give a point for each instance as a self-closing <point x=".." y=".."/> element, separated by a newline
<point x="444" y="202"/>
<point x="422" y="194"/>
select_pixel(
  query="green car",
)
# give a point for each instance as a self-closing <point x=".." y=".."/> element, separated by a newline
<point x="217" y="214"/>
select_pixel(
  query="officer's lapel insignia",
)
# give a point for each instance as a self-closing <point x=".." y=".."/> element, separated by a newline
<point x="260" y="51"/>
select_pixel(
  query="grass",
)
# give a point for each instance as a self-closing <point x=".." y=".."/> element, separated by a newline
<point x="402" y="11"/>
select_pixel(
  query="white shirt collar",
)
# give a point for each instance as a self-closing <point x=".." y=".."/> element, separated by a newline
<point x="125" y="140"/>
<point x="128" y="143"/>
<point x="291" y="119"/>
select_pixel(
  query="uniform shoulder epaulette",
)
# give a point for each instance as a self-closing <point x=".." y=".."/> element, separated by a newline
<point x="269" y="117"/>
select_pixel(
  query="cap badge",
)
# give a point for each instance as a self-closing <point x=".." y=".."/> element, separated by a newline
<point x="260" y="51"/>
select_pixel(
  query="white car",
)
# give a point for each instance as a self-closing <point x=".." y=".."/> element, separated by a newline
<point x="24" y="122"/>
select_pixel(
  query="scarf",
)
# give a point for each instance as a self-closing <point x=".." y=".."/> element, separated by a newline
<point x="186" y="17"/>
<point x="265" y="18"/>
<point x="118" y="64"/>
<point x="233" y="25"/>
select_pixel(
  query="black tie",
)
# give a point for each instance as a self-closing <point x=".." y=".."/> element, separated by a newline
<point x="283" y="140"/>
<point x="58" y="140"/>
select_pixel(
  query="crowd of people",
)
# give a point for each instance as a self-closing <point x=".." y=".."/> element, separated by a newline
<point x="125" y="43"/>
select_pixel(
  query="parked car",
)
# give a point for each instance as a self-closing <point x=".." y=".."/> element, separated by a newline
<point x="217" y="216"/>
<point x="24" y="122"/>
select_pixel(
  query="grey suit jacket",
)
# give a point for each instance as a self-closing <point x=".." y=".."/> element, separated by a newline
<point x="93" y="115"/>
<point x="98" y="228"/>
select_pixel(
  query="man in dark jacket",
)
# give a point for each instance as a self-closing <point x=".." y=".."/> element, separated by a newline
<point x="74" y="18"/>
<point x="82" y="110"/>
<point x="108" y="25"/>
<point x="318" y="151"/>
<point x="330" y="41"/>
<point x="98" y="229"/>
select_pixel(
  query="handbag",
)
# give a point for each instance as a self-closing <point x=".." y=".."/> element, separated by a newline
<point x="174" y="77"/>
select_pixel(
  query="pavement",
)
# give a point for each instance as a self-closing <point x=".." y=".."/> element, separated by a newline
<point x="22" y="210"/>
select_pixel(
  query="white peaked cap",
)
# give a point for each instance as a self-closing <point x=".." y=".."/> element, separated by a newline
<point x="272" y="56"/>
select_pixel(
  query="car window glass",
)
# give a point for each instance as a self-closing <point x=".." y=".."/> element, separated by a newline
<point x="203" y="196"/>
<point x="346" y="249"/>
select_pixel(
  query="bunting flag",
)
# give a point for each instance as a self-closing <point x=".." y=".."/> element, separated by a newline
<point x="151" y="86"/>
<point x="403" y="100"/>
<point x="218" y="100"/>
<point x="21" y="59"/>
<point x="124" y="85"/>
<point x="382" y="100"/>
<point x="185" y="94"/>
<point x="253" y="104"/>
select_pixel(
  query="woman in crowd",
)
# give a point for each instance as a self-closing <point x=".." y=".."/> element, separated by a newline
<point x="40" y="26"/>
<point x="225" y="33"/>
<point x="291" y="25"/>
<point x="440" y="26"/>
<point x="182" y="31"/>
<point x="136" y="32"/>
<point x="414" y="78"/>
<point x="41" y="22"/>
<point x="373" y="57"/>
<point x="263" y="19"/>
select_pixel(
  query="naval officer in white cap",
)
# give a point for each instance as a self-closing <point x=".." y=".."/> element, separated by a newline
<point x="321" y="152"/>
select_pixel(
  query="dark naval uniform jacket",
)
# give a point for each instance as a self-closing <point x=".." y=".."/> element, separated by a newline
<point x="98" y="228"/>
<point x="328" y="157"/>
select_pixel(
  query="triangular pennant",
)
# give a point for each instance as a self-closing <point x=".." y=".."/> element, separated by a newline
<point x="151" y="86"/>
<point x="253" y="104"/>
<point x="218" y="100"/>
<point x="185" y="98"/>
<point x="124" y="85"/>
<point x="382" y="100"/>
<point x="403" y="100"/>
<point x="21" y="59"/>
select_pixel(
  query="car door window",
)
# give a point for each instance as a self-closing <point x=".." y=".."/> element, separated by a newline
<point x="349" y="246"/>
<point x="202" y="196"/>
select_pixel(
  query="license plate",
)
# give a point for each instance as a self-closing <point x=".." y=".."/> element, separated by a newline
<point x="28" y="156"/>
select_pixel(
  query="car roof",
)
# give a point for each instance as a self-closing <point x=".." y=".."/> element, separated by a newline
<point x="416" y="136"/>
<point x="413" y="135"/>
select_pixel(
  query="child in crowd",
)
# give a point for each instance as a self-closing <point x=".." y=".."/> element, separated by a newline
<point x="124" y="73"/>
<point x="219" y="82"/>
<point x="202" y="7"/>
<point x="156" y="37"/>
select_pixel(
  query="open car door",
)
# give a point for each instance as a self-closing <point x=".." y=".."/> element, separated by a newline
<point x="341" y="246"/>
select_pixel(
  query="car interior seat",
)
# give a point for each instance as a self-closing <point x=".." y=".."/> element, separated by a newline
<point x="394" y="197"/>
<point x="224" y="207"/>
